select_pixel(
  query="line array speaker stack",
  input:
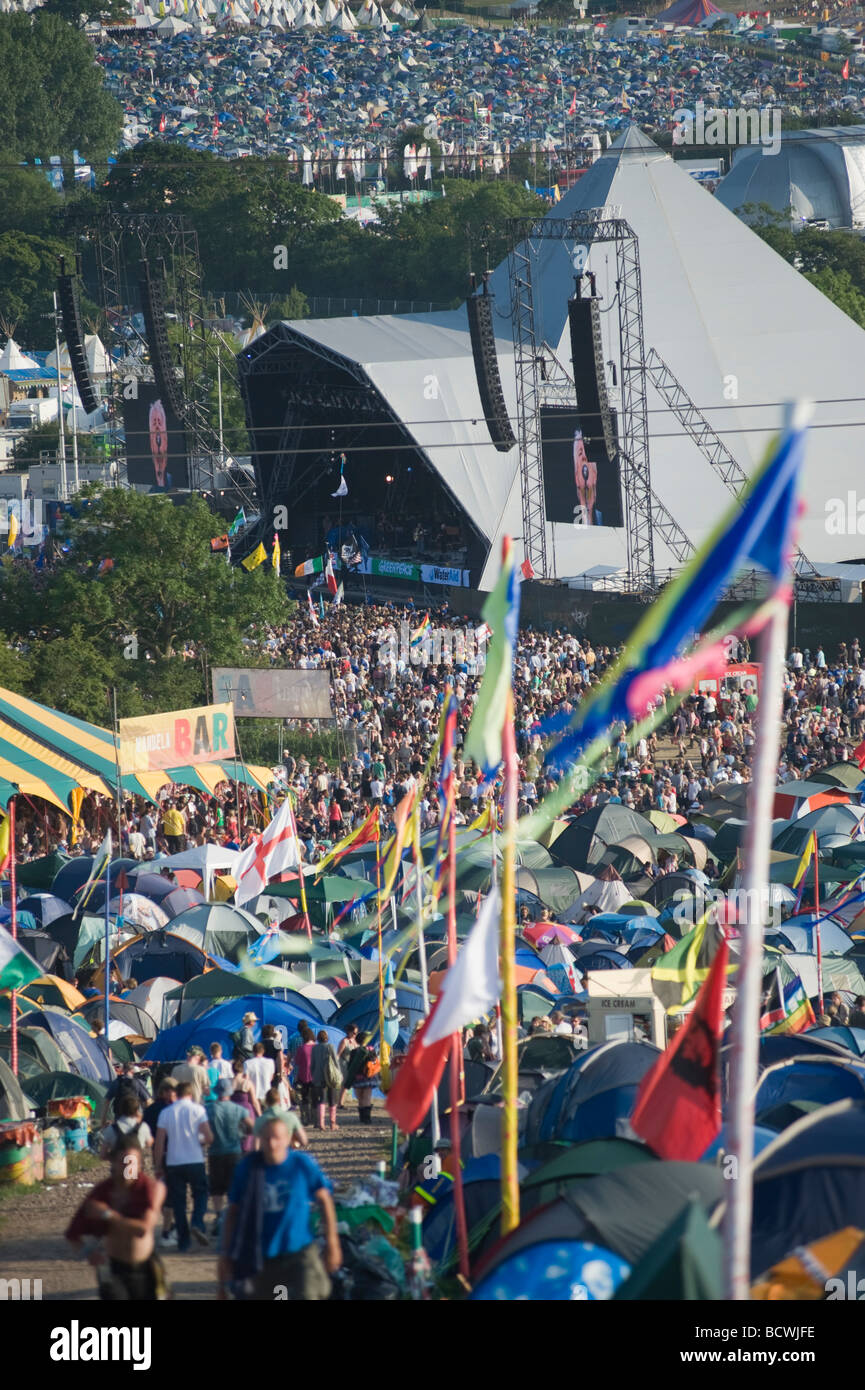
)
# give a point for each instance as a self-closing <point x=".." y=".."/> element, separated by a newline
<point x="153" y="308"/>
<point x="587" y="353"/>
<point x="67" y="297"/>
<point x="489" y="380"/>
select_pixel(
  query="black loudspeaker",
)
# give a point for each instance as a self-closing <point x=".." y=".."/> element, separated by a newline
<point x="587" y="354"/>
<point x="480" y="312"/>
<point x="153" y="308"/>
<point x="67" y="296"/>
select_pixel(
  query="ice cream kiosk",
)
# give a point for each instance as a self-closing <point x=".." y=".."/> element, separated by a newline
<point x="623" y="1004"/>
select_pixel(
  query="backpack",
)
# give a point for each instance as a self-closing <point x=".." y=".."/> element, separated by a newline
<point x="332" y="1073"/>
<point x="125" y="1087"/>
<point x="371" y="1067"/>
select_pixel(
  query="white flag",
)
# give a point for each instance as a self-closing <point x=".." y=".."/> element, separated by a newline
<point x="270" y="854"/>
<point x="472" y="985"/>
<point x="342" y="490"/>
<point x="100" y="859"/>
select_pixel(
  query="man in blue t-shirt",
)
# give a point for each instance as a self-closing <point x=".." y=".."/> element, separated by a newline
<point x="267" y="1236"/>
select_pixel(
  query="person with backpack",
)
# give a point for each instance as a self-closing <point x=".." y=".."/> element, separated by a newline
<point x="126" y="1084"/>
<point x="127" y="1122"/>
<point x="326" y="1078"/>
<point x="363" y="1068"/>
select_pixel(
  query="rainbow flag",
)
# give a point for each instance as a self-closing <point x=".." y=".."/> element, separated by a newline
<point x="788" y="1008"/>
<point x="363" y="834"/>
<point x="420" y="632"/>
<point x="757" y="531"/>
<point x="502" y="613"/>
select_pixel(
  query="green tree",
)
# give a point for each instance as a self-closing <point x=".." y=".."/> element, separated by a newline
<point x="72" y="673"/>
<point x="14" y="667"/>
<point x="293" y="305"/>
<point x="838" y="286"/>
<point x="28" y="203"/>
<point x="71" y="10"/>
<point x="52" y="99"/>
<point x="28" y="272"/>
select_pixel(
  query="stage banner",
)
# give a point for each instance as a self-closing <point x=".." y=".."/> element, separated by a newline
<point x="273" y="694"/>
<point x="418" y="574"/>
<point x="151" y="742"/>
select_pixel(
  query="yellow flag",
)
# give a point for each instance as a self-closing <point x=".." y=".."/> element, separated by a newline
<point x="4" y="842"/>
<point x="402" y="816"/>
<point x="258" y="557"/>
<point x="277" y="554"/>
<point x="76" y="796"/>
<point x="486" y="820"/>
<point x="13" y="529"/>
<point x="806" y="859"/>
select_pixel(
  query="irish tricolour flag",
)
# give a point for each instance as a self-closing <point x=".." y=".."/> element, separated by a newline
<point x="315" y="566"/>
<point x="17" y="969"/>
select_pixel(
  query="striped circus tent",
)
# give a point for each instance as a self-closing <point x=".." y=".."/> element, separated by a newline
<point x="48" y="754"/>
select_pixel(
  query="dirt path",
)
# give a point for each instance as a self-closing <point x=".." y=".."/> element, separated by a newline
<point x="32" y="1225"/>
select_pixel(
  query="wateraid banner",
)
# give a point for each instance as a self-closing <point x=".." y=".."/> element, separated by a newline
<point x="152" y="742"/>
<point x="419" y="574"/>
<point x="269" y="693"/>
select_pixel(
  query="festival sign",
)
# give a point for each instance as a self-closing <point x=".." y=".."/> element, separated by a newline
<point x="151" y="742"/>
<point x="274" y="694"/>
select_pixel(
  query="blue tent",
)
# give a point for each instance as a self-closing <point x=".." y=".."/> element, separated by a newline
<point x="482" y="1185"/>
<point x="801" y="932"/>
<point x="811" y="1079"/>
<point x="557" y="1271"/>
<point x="219" y="1023"/>
<point x="809" y="1183"/>
<point x="851" y="1038"/>
<point x="590" y="1099"/>
<point x="83" y="1053"/>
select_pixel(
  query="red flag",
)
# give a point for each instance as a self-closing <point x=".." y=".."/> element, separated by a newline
<point x="215" y="131"/>
<point x="121" y="883"/>
<point x="527" y="569"/>
<point x="845" y="71"/>
<point x="330" y="576"/>
<point x="859" y="757"/>
<point x="161" y="124"/>
<point x="573" y="106"/>
<point x="267" y="116"/>
<point x="678" y="1106"/>
<point x="411" y="1094"/>
<point x="219" y="543"/>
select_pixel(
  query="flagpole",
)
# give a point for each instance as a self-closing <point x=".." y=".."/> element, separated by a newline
<point x="384" y="1050"/>
<point x="510" y="1138"/>
<point x="424" y="972"/>
<point x="818" y="927"/>
<point x="107" y="936"/>
<point x="456" y="1069"/>
<point x="117" y="771"/>
<point x="13" y="926"/>
<point x="745" y="1031"/>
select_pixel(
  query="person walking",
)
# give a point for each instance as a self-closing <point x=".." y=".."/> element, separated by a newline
<point x="230" y="1123"/>
<point x="243" y="1094"/>
<point x="363" y="1068"/>
<point x="260" y="1071"/>
<point x="326" y="1078"/>
<point x="343" y="1053"/>
<point x="123" y="1211"/>
<point x="182" y="1134"/>
<point x="267" y="1240"/>
<point x="302" y="1074"/>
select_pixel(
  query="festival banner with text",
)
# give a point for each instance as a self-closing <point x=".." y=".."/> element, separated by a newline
<point x="152" y="742"/>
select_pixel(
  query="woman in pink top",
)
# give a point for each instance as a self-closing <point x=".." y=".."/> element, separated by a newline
<point x="302" y="1060"/>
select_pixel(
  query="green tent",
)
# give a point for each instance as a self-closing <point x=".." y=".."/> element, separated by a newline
<point x="60" y="1085"/>
<point x="215" y="984"/>
<point x="847" y="775"/>
<point x="39" y="874"/>
<point x="683" y="1264"/>
<point x="13" y="1102"/>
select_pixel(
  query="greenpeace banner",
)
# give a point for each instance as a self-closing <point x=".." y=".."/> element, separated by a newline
<point x="270" y="694"/>
<point x="419" y="574"/>
<point x="152" y="742"/>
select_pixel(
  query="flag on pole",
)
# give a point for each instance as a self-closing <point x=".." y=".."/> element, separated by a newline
<point x="501" y="611"/>
<point x="17" y="968"/>
<point x="787" y="1008"/>
<point x="679" y="973"/>
<point x="573" y="106"/>
<point x="420" y="632"/>
<point x="845" y="71"/>
<point x="470" y="989"/>
<point x="237" y="523"/>
<point x="756" y="530"/>
<point x="315" y="566"/>
<point x="390" y="1013"/>
<point x="276" y="557"/>
<point x="97" y="868"/>
<point x="218" y="543"/>
<point x="527" y="569"/>
<point x="393" y="858"/>
<point x="678" y="1107"/>
<point x="258" y="557"/>
<point x="364" y="834"/>
<point x="313" y="616"/>
<point x="338" y="596"/>
<point x="859" y="756"/>
<point x="329" y="575"/>
<point x="342" y="490"/>
<point x="807" y="855"/>
<point x="5" y="844"/>
<point x="271" y="853"/>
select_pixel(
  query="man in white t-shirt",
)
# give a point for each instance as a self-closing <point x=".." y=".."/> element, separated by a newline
<point x="260" y="1071"/>
<point x="182" y="1130"/>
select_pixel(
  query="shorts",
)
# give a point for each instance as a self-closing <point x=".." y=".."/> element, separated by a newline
<point x="220" y="1170"/>
<point x="300" y="1277"/>
<point x="140" y="1283"/>
<point x="324" y="1095"/>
